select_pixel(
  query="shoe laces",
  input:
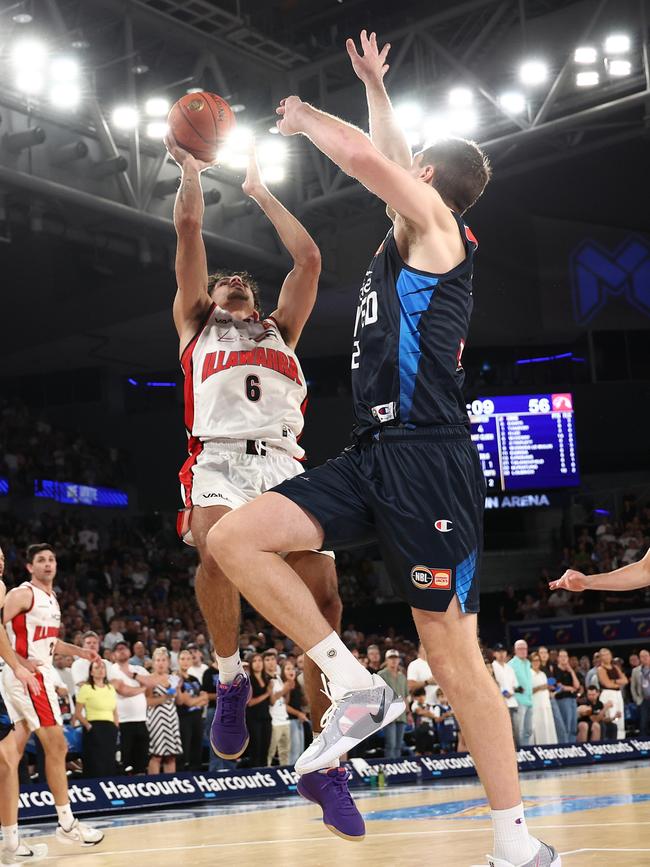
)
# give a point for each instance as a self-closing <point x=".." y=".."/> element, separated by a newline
<point x="334" y="703"/>
<point x="227" y="703"/>
<point x="343" y="792"/>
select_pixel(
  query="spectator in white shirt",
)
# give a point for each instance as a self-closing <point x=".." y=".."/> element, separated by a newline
<point x="419" y="674"/>
<point x="63" y="666"/>
<point x="111" y="638"/>
<point x="198" y="667"/>
<point x="81" y="667"/>
<point x="130" y="683"/>
<point x="176" y="645"/>
<point x="506" y="681"/>
<point x="280" y="728"/>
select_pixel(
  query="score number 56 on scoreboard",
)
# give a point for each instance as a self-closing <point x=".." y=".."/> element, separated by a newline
<point x="526" y="441"/>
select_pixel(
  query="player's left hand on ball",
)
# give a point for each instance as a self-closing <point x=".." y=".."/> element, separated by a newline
<point x="289" y="111"/>
<point x="28" y="680"/>
<point x="571" y="580"/>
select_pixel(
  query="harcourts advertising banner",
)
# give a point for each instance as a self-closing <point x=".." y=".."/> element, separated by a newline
<point x="124" y="793"/>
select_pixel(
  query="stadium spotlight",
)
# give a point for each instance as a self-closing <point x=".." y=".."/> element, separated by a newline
<point x="463" y="121"/>
<point x="533" y="72"/>
<point x="273" y="174"/>
<point x="274" y="130"/>
<point x="413" y="138"/>
<point x="64" y="69"/>
<point x="460" y="97"/>
<point x="157" y="106"/>
<point x="272" y="152"/>
<point x="28" y="57"/>
<point x="234" y="152"/>
<point x="585" y="54"/>
<point x="436" y="128"/>
<point x="617" y="43"/>
<point x="588" y="78"/>
<point x="409" y="115"/>
<point x="157" y="129"/>
<point x="619" y="67"/>
<point x="65" y="94"/>
<point x="513" y="102"/>
<point x="125" y="117"/>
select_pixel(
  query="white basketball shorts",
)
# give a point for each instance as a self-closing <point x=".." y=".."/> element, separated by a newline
<point x="38" y="711"/>
<point x="231" y="473"/>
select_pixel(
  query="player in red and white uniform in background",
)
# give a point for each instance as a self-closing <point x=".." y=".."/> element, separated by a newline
<point x="13" y="851"/>
<point x="33" y="618"/>
<point x="244" y="396"/>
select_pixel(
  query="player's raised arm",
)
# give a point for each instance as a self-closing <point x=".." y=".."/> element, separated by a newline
<point x="355" y="154"/>
<point x="371" y="67"/>
<point x="192" y="301"/>
<point x="298" y="293"/>
<point x="634" y="576"/>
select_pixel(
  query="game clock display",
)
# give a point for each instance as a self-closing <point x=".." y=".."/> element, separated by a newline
<point x="526" y="441"/>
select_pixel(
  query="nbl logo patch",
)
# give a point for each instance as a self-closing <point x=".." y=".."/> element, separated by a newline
<point x="428" y="578"/>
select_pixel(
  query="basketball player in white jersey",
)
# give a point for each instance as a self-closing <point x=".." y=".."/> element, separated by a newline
<point x="32" y="617"/>
<point x="244" y="398"/>
<point x="13" y="851"/>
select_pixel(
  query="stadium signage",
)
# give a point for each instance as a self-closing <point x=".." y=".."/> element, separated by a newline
<point x="126" y="793"/>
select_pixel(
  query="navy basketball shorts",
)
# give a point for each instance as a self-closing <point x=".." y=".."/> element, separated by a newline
<point x="419" y="495"/>
<point x="6" y="724"/>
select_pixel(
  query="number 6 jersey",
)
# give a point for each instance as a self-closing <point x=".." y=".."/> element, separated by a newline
<point x="242" y="382"/>
<point x="409" y="335"/>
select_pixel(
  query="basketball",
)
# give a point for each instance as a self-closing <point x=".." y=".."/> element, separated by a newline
<point x="200" y="122"/>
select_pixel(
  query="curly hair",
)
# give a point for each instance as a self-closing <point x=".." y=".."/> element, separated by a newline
<point x="250" y="281"/>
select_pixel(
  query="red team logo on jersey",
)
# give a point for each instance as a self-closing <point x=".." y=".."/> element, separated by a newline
<point x="273" y="359"/>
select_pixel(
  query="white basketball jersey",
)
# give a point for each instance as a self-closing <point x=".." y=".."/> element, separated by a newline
<point x="243" y="382"/>
<point x="34" y="633"/>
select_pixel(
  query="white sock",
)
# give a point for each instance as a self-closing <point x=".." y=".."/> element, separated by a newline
<point x="338" y="665"/>
<point x="65" y="816"/>
<point x="512" y="842"/>
<point x="10" y="837"/>
<point x="229" y="667"/>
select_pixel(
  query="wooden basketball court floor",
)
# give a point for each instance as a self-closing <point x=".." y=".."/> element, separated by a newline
<point x="593" y="816"/>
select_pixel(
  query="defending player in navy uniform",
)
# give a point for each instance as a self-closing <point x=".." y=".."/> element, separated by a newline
<point x="13" y="850"/>
<point x="244" y="396"/>
<point x="412" y="480"/>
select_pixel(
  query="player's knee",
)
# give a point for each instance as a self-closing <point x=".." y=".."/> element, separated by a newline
<point x="8" y="760"/>
<point x="221" y="542"/>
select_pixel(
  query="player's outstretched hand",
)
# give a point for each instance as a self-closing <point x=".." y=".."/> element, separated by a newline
<point x="29" y="682"/>
<point x="370" y="66"/>
<point x="253" y="182"/>
<point x="290" y="110"/>
<point x="571" y="580"/>
<point x="183" y="158"/>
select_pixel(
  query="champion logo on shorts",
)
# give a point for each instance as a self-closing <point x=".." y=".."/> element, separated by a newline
<point x="443" y="525"/>
<point x="429" y="578"/>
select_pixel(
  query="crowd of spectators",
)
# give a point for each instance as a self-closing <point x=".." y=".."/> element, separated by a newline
<point x="126" y="588"/>
<point x="599" y="545"/>
<point x="32" y="448"/>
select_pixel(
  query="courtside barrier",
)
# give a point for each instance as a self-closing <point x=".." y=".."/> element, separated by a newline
<point x="133" y="793"/>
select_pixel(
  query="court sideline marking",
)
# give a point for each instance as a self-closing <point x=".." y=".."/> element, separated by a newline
<point x="486" y="830"/>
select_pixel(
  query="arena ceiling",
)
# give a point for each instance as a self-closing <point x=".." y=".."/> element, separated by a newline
<point x="85" y="207"/>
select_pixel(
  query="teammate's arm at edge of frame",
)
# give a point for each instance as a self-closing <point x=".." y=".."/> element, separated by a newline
<point x="634" y="576"/>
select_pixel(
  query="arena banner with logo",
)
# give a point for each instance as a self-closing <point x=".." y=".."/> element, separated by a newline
<point x="552" y="632"/>
<point x="147" y="792"/>
<point x="618" y="628"/>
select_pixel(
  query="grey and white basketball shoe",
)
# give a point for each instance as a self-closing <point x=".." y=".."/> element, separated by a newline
<point x="352" y="717"/>
<point x="24" y="854"/>
<point x="545" y="857"/>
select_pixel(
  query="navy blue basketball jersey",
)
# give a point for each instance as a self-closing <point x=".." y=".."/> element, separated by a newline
<point x="409" y="335"/>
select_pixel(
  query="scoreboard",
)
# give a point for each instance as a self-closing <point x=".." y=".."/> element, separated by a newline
<point x="526" y="441"/>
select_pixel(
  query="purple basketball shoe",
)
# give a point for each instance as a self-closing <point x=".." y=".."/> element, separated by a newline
<point x="330" y="791"/>
<point x="228" y="732"/>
